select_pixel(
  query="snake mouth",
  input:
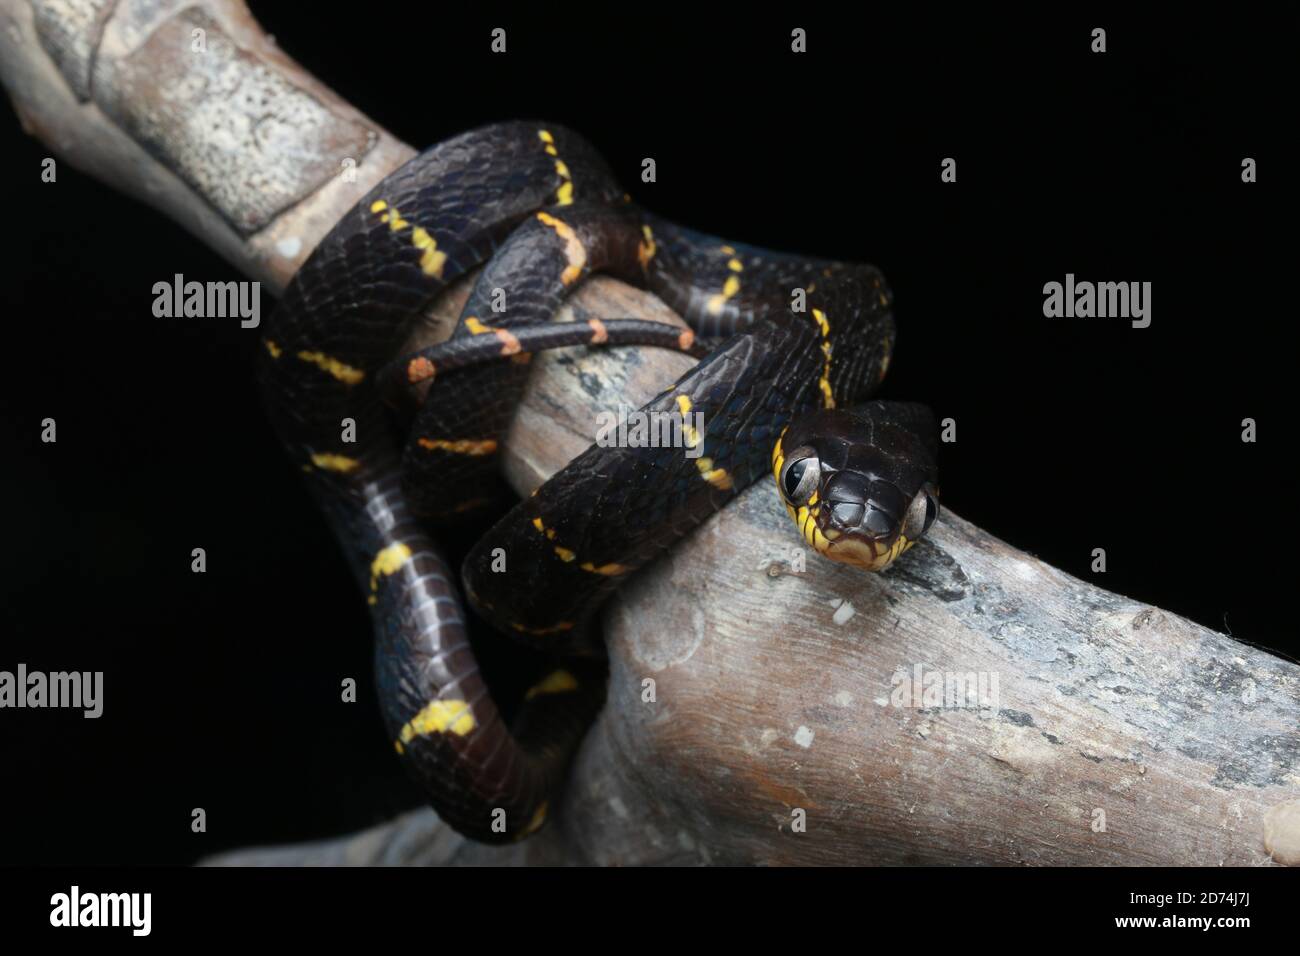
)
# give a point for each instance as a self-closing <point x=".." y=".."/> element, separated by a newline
<point x="864" y="551"/>
<point x="854" y="547"/>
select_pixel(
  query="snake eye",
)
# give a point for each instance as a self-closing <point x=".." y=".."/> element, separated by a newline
<point x="800" y="476"/>
<point x="922" y="513"/>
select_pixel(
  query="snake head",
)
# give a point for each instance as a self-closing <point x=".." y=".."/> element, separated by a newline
<point x="861" y="484"/>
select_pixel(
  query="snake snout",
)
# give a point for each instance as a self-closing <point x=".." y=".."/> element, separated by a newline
<point x="862" y="506"/>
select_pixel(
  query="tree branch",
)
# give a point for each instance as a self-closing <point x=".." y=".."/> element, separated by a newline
<point x="1107" y="731"/>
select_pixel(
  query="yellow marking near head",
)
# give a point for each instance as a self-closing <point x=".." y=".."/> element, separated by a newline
<point x="566" y="555"/>
<point x="828" y="397"/>
<point x="476" y="327"/>
<point x="573" y="248"/>
<point x="735" y="265"/>
<point x="609" y="570"/>
<point x="822" y="323"/>
<point x="729" y="288"/>
<point x="824" y="383"/>
<point x="564" y="194"/>
<point x="860" y="555"/>
<point x="837" y="547"/>
<point x="387" y="562"/>
<point x="341" y="371"/>
<point x="778" y="459"/>
<point x="539" y="817"/>
<point x="717" y="477"/>
<point x="274" y="349"/>
<point x="328" y="461"/>
<point x="729" y="250"/>
<point x="557" y="682"/>
<point x="437" y="717"/>
<point x="432" y="261"/>
<point x="646" y="250"/>
<point x="459" y="446"/>
<point x="690" y="436"/>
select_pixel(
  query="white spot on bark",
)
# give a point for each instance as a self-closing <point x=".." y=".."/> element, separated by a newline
<point x="656" y="647"/>
<point x="289" y="247"/>
<point x="843" y="699"/>
<point x="1020" y="749"/>
<point x="803" y="737"/>
<point x="843" y="612"/>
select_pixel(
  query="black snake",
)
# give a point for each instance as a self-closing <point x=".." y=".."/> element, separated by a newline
<point x="791" y="348"/>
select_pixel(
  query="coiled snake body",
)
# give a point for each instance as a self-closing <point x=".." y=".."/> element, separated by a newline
<point x="789" y="336"/>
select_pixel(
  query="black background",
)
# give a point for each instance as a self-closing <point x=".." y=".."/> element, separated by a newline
<point x="1072" y="434"/>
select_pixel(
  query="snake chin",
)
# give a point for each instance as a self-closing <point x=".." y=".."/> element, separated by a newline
<point x="853" y="547"/>
<point x="865" y="553"/>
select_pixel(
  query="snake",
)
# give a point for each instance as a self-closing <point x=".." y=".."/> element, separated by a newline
<point x="397" y="447"/>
